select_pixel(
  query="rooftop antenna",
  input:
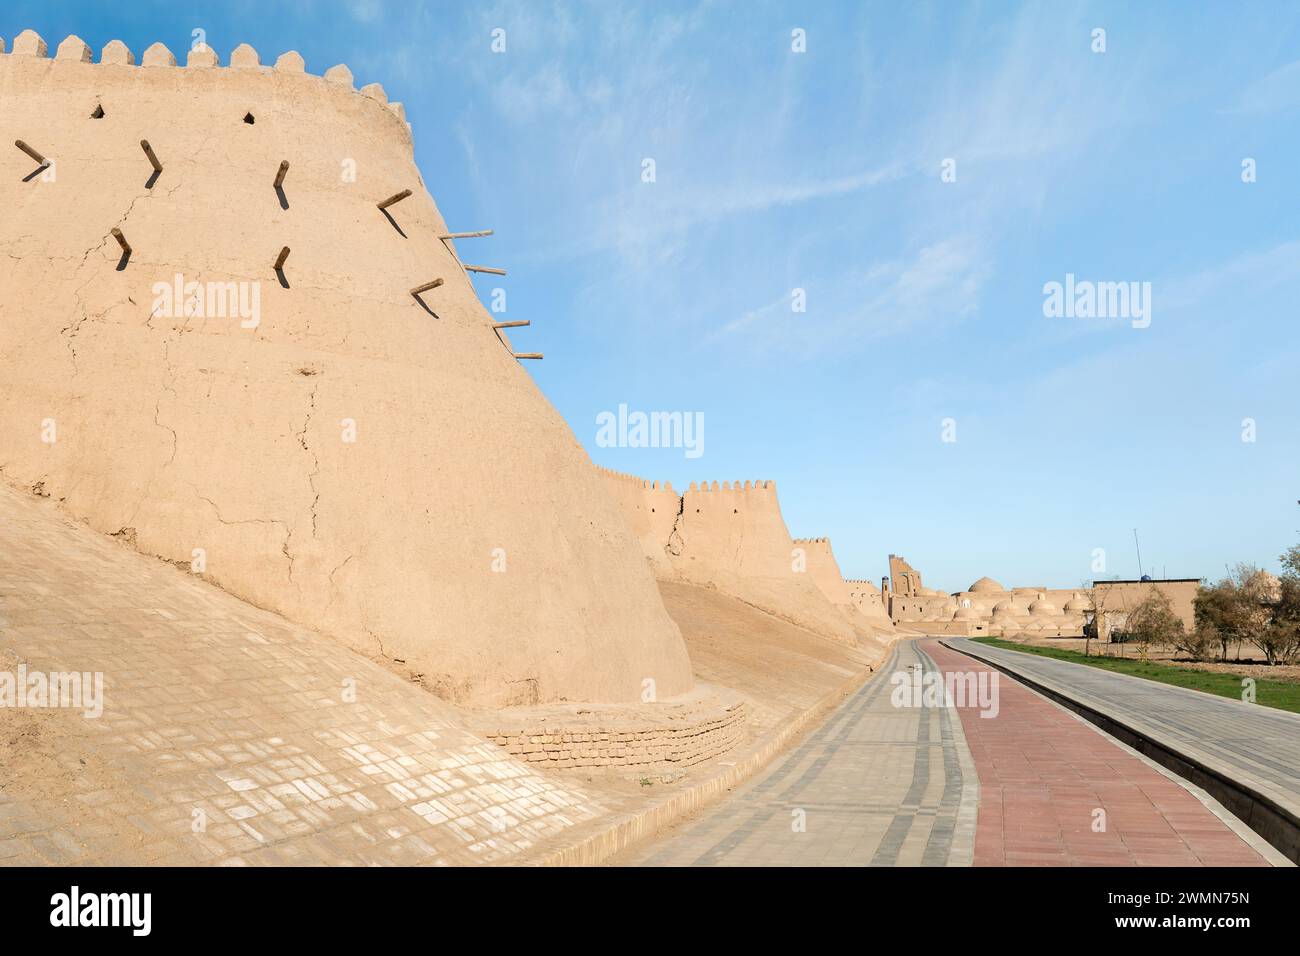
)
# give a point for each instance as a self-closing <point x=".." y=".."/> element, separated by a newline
<point x="1139" y="551"/>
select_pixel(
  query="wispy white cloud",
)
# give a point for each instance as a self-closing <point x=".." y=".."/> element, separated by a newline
<point x="936" y="283"/>
<point x="1277" y="90"/>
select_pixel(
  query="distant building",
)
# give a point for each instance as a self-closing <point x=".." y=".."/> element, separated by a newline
<point x="986" y="607"/>
<point x="1116" y="598"/>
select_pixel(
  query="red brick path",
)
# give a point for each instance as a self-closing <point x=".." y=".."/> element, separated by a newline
<point x="1043" y="772"/>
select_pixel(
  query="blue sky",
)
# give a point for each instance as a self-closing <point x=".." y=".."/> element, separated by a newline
<point x="777" y="170"/>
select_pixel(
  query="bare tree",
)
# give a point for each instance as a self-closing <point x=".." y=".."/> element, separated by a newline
<point x="1153" y="623"/>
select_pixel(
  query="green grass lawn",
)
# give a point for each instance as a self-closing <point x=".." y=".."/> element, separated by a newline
<point x="1283" y="695"/>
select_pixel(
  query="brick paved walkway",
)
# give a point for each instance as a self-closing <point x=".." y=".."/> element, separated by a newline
<point x="1259" y="746"/>
<point x="1044" y="774"/>
<point x="874" y="785"/>
<point x="219" y="714"/>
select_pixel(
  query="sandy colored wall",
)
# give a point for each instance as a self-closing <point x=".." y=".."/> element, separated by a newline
<point x="651" y="510"/>
<point x="866" y="596"/>
<point x="825" y="572"/>
<point x="989" y="608"/>
<point x="734" y="538"/>
<point x="1116" y="598"/>
<point x="730" y="536"/>
<point x="184" y="433"/>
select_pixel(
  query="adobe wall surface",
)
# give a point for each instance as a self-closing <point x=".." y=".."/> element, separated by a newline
<point x="1117" y="598"/>
<point x="825" y="572"/>
<point x="651" y="510"/>
<point x="730" y="536"/>
<point x="867" y="598"/>
<point x="986" y="607"/>
<point x="181" y="431"/>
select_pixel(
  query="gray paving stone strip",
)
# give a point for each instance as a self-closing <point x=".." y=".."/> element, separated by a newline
<point x="1221" y="744"/>
<point x="876" y="784"/>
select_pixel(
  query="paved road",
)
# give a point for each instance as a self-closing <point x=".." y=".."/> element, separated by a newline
<point x="874" y="785"/>
<point x="1257" y="745"/>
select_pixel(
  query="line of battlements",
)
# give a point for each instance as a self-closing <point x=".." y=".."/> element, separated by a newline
<point x="633" y="479"/>
<point x="200" y="56"/>
<point x="733" y="486"/>
<point x="696" y="486"/>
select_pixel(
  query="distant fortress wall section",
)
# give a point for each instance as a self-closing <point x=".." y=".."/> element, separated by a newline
<point x="651" y="510"/>
<point x="730" y="536"/>
<point x="866" y="597"/>
<point x="825" y="570"/>
<point x="368" y="462"/>
<point x="851" y="600"/>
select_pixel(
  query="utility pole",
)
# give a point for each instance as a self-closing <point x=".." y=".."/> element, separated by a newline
<point x="1139" y="551"/>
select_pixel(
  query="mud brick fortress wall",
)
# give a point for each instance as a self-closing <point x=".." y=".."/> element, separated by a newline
<point x="731" y="536"/>
<point x="462" y="536"/>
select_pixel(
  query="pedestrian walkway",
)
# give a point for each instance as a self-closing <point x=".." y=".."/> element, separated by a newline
<point x="887" y="781"/>
<point x="1056" y="791"/>
<point x="875" y="785"/>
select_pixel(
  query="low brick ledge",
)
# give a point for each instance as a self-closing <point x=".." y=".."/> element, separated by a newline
<point x="629" y="829"/>
<point x="653" y="738"/>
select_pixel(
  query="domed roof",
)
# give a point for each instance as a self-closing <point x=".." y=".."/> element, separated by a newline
<point x="1042" y="608"/>
<point x="986" y="584"/>
<point x="1265" y="586"/>
<point x="1078" y="603"/>
<point x="966" y="614"/>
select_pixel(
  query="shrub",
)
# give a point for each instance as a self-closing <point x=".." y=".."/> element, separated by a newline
<point x="1198" y="644"/>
